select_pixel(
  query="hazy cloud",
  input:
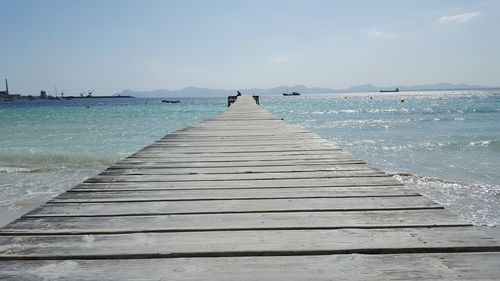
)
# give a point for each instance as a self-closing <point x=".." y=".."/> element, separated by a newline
<point x="284" y="58"/>
<point x="381" y="31"/>
<point x="459" y="18"/>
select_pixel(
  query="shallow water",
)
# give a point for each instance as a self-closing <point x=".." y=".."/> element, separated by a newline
<point x="445" y="144"/>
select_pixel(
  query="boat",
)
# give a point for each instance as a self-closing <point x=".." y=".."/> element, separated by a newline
<point x="292" y="94"/>
<point x="390" y="91"/>
<point x="170" y="101"/>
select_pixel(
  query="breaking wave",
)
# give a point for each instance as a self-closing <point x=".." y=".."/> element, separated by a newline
<point x="475" y="203"/>
<point x="25" y="162"/>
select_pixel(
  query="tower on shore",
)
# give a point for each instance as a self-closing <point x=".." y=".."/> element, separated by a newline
<point x="6" y="86"/>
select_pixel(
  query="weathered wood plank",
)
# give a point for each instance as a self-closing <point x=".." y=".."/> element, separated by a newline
<point x="245" y="149"/>
<point x="191" y="158"/>
<point x="224" y="222"/>
<point x="247" y="156"/>
<point x="232" y="170"/>
<point x="242" y="134"/>
<point x="240" y="184"/>
<point x="234" y="177"/>
<point x="240" y="143"/>
<point x="234" y="206"/>
<point x="196" y="194"/>
<point x="166" y="162"/>
<point x="119" y="196"/>
<point x="248" y="243"/>
<point x="443" y="266"/>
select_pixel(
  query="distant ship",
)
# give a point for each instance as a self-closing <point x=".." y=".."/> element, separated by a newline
<point x="292" y="94"/>
<point x="90" y="96"/>
<point x="96" y="97"/>
<point x="390" y="91"/>
<point x="170" y="101"/>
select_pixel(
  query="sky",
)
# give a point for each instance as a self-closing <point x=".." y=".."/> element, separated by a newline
<point x="108" y="46"/>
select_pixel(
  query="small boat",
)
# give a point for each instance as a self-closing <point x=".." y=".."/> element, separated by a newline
<point x="292" y="94"/>
<point x="390" y="91"/>
<point x="170" y="101"/>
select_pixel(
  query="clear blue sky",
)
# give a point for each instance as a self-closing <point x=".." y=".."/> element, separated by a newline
<point x="144" y="45"/>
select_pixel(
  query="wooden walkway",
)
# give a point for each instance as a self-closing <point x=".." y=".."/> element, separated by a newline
<point x="244" y="196"/>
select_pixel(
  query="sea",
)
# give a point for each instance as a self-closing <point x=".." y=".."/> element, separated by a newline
<point x="445" y="144"/>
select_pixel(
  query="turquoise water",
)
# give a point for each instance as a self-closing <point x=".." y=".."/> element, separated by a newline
<point x="445" y="144"/>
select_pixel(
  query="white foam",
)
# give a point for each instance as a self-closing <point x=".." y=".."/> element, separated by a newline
<point x="14" y="170"/>
<point x="480" y="143"/>
<point x="475" y="203"/>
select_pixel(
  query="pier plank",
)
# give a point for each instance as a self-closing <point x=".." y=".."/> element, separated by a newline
<point x="238" y="184"/>
<point x="265" y="156"/>
<point x="236" y="176"/>
<point x="248" y="243"/>
<point x="165" y="163"/>
<point x="76" y="195"/>
<point x="443" y="266"/>
<point x="234" y="206"/>
<point x="232" y="221"/>
<point x="197" y="143"/>
<point x="131" y="170"/>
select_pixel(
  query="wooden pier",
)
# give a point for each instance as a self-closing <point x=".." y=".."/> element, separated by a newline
<point x="244" y="196"/>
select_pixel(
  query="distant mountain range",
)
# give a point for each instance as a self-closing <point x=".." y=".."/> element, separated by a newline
<point x="196" y="92"/>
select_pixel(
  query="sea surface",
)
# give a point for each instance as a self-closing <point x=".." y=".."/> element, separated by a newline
<point x="446" y="144"/>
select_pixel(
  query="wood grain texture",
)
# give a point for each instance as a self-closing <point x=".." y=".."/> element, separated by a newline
<point x="238" y="184"/>
<point x="77" y="196"/>
<point x="463" y="266"/>
<point x="232" y="221"/>
<point x="247" y="243"/>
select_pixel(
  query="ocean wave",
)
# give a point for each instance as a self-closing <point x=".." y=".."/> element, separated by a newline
<point x="453" y="145"/>
<point x="424" y="180"/>
<point x="474" y="202"/>
<point x="384" y="110"/>
<point x="384" y="122"/>
<point x="22" y="191"/>
<point x="493" y="144"/>
<point x="35" y="161"/>
<point x="480" y="143"/>
<point x="15" y="170"/>
<point x="367" y="122"/>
